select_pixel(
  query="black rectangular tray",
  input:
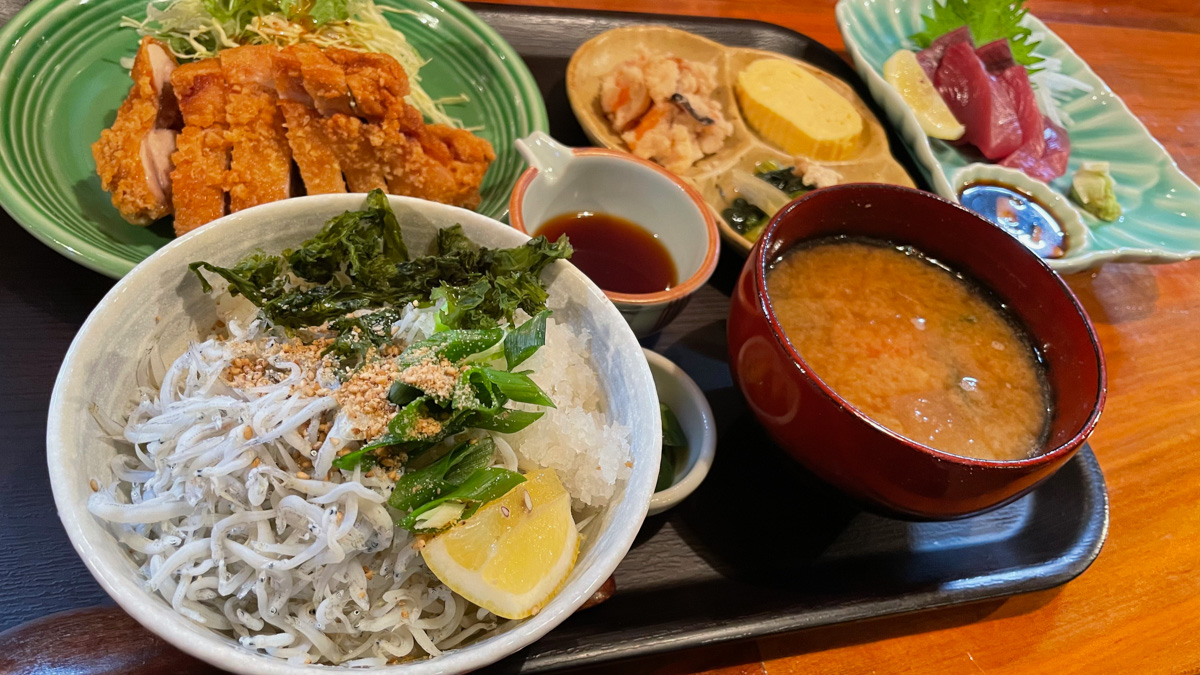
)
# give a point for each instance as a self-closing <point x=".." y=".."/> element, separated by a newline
<point x="762" y="547"/>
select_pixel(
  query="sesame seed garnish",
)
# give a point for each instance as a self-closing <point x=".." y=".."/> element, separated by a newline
<point x="94" y="485"/>
<point x="301" y="475"/>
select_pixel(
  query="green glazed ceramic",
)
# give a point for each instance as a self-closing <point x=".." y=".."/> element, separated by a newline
<point x="1161" y="221"/>
<point x="61" y="83"/>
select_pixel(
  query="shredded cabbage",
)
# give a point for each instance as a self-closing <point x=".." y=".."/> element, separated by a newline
<point x="199" y="29"/>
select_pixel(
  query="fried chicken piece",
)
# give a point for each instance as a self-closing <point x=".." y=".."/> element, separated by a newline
<point x="355" y="143"/>
<point x="436" y="162"/>
<point x="202" y="155"/>
<point x="311" y="148"/>
<point x="377" y="82"/>
<point x="470" y="157"/>
<point x="133" y="156"/>
<point x="260" y="169"/>
<point x="287" y="77"/>
<point x="314" y="152"/>
<point x="324" y="80"/>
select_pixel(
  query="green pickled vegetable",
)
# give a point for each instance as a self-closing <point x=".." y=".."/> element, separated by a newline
<point x="783" y="179"/>
<point x="674" y="444"/>
<point x="745" y="218"/>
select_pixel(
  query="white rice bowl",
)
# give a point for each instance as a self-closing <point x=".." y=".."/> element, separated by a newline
<point x="159" y="304"/>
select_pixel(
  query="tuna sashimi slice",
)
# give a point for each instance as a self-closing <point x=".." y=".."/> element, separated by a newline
<point x="980" y="101"/>
<point x="931" y="56"/>
<point x="1058" y="147"/>
<point x="1033" y="142"/>
<point x="996" y="56"/>
<point x="1052" y="162"/>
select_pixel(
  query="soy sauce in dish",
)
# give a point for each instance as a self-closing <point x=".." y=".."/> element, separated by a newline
<point x="1023" y="216"/>
<point x="618" y="255"/>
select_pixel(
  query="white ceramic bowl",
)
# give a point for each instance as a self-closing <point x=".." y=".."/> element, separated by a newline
<point x="161" y="301"/>
<point x="622" y="185"/>
<point x="684" y="397"/>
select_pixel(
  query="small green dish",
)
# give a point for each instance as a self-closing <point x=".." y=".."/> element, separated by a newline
<point x="61" y="82"/>
<point x="1161" y="205"/>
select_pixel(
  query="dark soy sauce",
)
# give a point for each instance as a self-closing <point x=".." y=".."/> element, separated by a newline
<point x="1023" y="216"/>
<point x="618" y="255"/>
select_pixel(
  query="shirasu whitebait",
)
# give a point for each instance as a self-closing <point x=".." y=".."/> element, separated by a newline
<point x="210" y="506"/>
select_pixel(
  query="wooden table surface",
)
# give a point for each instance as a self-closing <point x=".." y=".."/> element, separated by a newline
<point x="1137" y="609"/>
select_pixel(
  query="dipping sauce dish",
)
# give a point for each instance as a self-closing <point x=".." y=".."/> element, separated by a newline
<point x="566" y="180"/>
<point x="842" y="445"/>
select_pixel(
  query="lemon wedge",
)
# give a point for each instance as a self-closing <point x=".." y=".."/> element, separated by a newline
<point x="902" y="71"/>
<point x="514" y="554"/>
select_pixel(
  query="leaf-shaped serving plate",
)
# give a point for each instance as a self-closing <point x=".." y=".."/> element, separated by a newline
<point x="61" y="82"/>
<point x="1161" y="221"/>
<point x="594" y="59"/>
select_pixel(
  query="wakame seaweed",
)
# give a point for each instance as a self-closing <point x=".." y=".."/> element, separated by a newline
<point x="744" y="216"/>
<point x="784" y="180"/>
<point x="359" y="260"/>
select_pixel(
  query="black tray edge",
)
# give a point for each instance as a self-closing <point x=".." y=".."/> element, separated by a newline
<point x="1050" y="574"/>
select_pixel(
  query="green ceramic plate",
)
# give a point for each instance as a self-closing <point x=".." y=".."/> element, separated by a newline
<point x="1161" y="221"/>
<point x="61" y="83"/>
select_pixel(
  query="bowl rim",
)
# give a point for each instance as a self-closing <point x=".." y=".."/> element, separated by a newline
<point x="704" y="450"/>
<point x="516" y="216"/>
<point x="760" y="264"/>
<point x="217" y="649"/>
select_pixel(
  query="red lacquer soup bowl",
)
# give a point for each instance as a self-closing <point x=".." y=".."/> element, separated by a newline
<point x="843" y="446"/>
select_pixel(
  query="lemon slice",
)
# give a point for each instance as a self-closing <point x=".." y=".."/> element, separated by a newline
<point x="902" y="71"/>
<point x="514" y="554"/>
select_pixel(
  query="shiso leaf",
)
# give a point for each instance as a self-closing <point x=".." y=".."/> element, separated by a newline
<point x="988" y="20"/>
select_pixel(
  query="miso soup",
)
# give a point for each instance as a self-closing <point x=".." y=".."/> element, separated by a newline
<point x="913" y="346"/>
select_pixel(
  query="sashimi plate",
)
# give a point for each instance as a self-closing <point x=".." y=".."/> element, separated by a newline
<point x="1161" y="219"/>
<point x="61" y="82"/>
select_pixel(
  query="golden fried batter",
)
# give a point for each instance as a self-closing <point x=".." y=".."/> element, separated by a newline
<point x="202" y="155"/>
<point x="355" y="144"/>
<point x="324" y="80"/>
<point x="314" y="152"/>
<point x="340" y="115"/>
<point x="376" y="81"/>
<point x="260" y="168"/>
<point x="437" y="162"/>
<point x="133" y="156"/>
